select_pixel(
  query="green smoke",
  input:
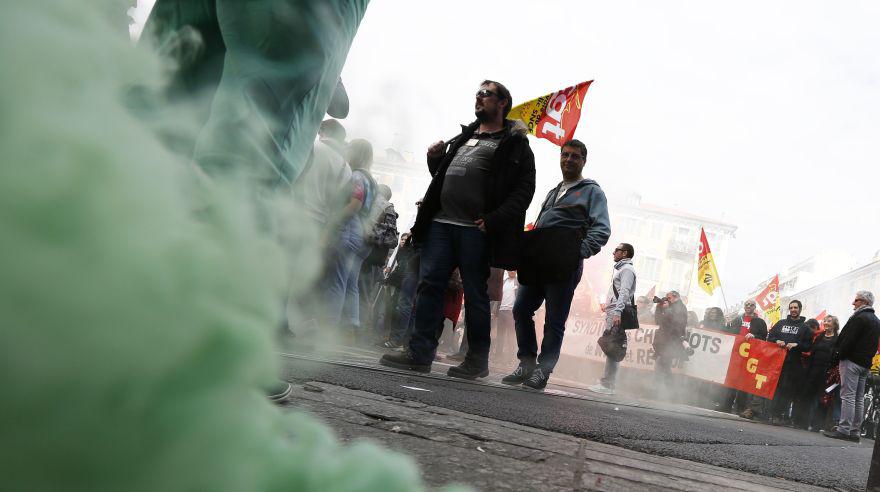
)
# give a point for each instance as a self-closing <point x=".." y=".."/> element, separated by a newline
<point x="138" y="299"/>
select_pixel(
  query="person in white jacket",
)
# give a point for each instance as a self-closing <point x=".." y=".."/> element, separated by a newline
<point x="619" y="295"/>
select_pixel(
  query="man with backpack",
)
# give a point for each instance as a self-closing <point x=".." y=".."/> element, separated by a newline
<point x="380" y="239"/>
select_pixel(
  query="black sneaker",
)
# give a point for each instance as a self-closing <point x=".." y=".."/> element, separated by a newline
<point x="839" y="435"/>
<point x="518" y="376"/>
<point x="404" y="361"/>
<point x="537" y="380"/>
<point x="467" y="370"/>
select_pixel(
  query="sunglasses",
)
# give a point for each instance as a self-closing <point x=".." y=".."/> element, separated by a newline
<point x="486" y="93"/>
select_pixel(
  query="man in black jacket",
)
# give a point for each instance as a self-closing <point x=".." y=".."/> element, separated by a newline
<point x="856" y="346"/>
<point x="752" y="326"/>
<point x="671" y="317"/>
<point x="472" y="216"/>
<point x="792" y="335"/>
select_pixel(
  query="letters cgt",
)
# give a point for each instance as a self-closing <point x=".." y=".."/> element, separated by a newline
<point x="755" y="366"/>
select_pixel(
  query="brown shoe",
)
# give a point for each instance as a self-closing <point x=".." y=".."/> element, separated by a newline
<point x="747" y="414"/>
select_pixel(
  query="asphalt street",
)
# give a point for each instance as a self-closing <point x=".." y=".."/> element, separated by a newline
<point x="653" y="427"/>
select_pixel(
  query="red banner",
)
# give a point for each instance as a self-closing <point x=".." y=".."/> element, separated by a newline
<point x="554" y="116"/>
<point x="755" y="366"/>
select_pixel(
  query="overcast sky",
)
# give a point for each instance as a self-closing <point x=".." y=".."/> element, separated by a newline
<point x="762" y="114"/>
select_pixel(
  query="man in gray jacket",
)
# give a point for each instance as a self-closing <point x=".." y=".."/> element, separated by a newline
<point x="576" y="203"/>
<point x="623" y="284"/>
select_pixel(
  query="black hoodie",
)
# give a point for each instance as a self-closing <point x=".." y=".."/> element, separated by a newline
<point x="792" y="330"/>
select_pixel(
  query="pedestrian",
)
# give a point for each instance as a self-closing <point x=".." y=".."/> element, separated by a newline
<point x="572" y="225"/>
<point x="472" y="217"/>
<point x="748" y="325"/>
<point x="623" y="284"/>
<point x="792" y="335"/>
<point x="856" y="346"/>
<point x="506" y="333"/>
<point x="404" y="276"/>
<point x="671" y="317"/>
<point x="345" y="236"/>
<point x="808" y="414"/>
<point x="381" y="237"/>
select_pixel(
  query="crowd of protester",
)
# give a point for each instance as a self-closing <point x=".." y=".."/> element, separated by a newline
<point x="467" y="278"/>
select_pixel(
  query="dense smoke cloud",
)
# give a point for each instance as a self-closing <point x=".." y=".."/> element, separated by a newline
<point x="139" y="300"/>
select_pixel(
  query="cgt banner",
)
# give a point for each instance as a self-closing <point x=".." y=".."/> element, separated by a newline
<point x="710" y="361"/>
<point x="555" y="116"/>
<point x="755" y="366"/>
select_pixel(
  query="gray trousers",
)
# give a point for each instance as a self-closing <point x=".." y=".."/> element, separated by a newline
<point x="852" y="394"/>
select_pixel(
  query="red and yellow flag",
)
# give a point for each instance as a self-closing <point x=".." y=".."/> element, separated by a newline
<point x="769" y="302"/>
<point x="555" y="116"/>
<point x="707" y="274"/>
<point x="754" y="366"/>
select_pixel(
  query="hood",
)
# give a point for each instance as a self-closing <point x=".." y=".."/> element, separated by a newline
<point x="619" y="264"/>
<point x="513" y="127"/>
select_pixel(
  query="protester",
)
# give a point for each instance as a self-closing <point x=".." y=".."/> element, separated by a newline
<point x="404" y="276"/>
<point x="748" y="325"/>
<point x="792" y="335"/>
<point x="623" y="284"/>
<point x="573" y="221"/>
<point x="471" y="217"/>
<point x="855" y="347"/>
<point x="332" y="133"/>
<point x="321" y="193"/>
<point x="646" y="310"/>
<point x="379" y="240"/>
<point x="807" y="410"/>
<point x="671" y="318"/>
<point x="713" y="319"/>
<point x="345" y="236"/>
<point x="506" y="334"/>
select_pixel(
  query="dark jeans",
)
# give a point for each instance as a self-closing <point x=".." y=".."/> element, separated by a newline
<point x="790" y="382"/>
<point x="528" y="299"/>
<point x="402" y="325"/>
<point x="449" y="247"/>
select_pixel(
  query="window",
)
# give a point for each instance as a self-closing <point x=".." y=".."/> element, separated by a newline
<point x="678" y="276"/>
<point x="650" y="268"/>
<point x="656" y="230"/>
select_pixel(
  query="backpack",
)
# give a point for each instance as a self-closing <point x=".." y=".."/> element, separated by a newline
<point x="384" y="233"/>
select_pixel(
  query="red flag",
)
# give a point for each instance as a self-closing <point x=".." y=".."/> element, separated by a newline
<point x="768" y="301"/>
<point x="554" y="116"/>
<point x="754" y="366"/>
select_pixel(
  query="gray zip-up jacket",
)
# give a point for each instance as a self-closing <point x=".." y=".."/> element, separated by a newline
<point x="582" y="206"/>
<point x="625" y="281"/>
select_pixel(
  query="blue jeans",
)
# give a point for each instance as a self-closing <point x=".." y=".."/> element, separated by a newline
<point x="449" y="247"/>
<point x="529" y="298"/>
<point x="341" y="285"/>
<point x="403" y="322"/>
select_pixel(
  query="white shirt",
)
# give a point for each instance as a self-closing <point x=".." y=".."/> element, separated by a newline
<point x="508" y="295"/>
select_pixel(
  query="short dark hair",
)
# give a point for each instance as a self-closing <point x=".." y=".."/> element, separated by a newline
<point x="795" y="301"/>
<point x="577" y="144"/>
<point x="628" y="249"/>
<point x="332" y="129"/>
<point x="503" y="93"/>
